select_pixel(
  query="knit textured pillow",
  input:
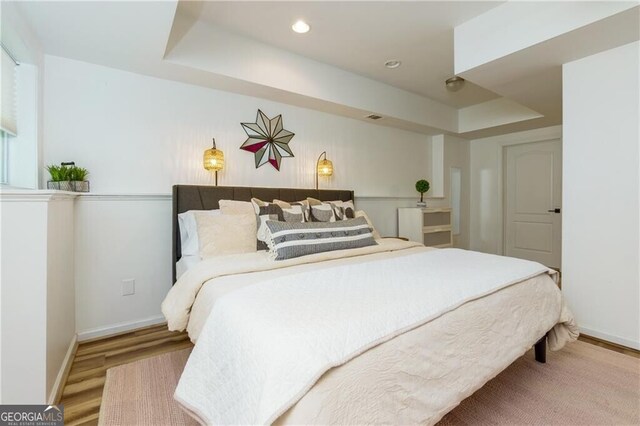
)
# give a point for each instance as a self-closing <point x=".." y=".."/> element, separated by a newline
<point x="289" y="240"/>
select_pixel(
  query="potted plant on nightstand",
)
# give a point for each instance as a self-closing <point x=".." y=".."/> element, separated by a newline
<point x="422" y="186"/>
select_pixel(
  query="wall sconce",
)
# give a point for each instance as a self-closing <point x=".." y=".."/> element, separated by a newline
<point x="323" y="167"/>
<point x="213" y="159"/>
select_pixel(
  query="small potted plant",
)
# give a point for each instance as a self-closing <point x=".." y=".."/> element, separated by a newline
<point x="422" y="186"/>
<point x="60" y="178"/>
<point x="68" y="177"/>
<point x="78" y="177"/>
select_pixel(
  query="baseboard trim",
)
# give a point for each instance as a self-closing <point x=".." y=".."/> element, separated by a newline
<point x="610" y="338"/>
<point x="122" y="327"/>
<point x="63" y="374"/>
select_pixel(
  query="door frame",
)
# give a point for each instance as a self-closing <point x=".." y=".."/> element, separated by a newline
<point x="503" y="184"/>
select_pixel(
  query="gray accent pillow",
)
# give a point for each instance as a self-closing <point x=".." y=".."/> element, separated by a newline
<point x="270" y="211"/>
<point x="323" y="213"/>
<point x="289" y="240"/>
<point x="342" y="210"/>
<point x="304" y="206"/>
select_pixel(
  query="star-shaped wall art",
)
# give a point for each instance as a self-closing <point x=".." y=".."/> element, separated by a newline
<point x="268" y="140"/>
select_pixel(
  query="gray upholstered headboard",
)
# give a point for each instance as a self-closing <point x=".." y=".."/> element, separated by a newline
<point x="204" y="197"/>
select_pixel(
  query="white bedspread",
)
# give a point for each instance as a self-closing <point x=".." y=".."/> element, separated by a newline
<point x="265" y="345"/>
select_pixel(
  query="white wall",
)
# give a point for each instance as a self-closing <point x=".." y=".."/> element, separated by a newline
<point x="37" y="308"/>
<point x="457" y="154"/>
<point x="139" y="135"/>
<point x="118" y="238"/>
<point x="486" y="185"/>
<point x="601" y="254"/>
<point x="23" y="310"/>
<point x="436" y="188"/>
<point x="61" y="306"/>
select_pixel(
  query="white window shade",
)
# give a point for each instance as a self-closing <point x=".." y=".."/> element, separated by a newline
<point x="8" y="122"/>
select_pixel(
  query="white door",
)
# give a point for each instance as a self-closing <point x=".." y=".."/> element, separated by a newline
<point x="533" y="195"/>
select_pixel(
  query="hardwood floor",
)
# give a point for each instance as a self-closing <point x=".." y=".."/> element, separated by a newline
<point x="82" y="394"/>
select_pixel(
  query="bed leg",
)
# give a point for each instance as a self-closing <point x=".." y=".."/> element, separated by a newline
<point x="541" y="350"/>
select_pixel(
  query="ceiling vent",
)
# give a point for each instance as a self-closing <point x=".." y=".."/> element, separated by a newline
<point x="374" y="117"/>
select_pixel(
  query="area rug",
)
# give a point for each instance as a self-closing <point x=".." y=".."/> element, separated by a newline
<point x="581" y="385"/>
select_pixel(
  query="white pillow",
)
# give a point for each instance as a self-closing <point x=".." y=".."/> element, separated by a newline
<point x="189" y="231"/>
<point x="221" y="235"/>
<point x="235" y="207"/>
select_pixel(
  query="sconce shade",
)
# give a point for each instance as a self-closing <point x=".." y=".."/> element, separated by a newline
<point x="325" y="168"/>
<point x="213" y="158"/>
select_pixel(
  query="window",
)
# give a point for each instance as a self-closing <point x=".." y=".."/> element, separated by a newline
<point x="8" y="93"/>
<point x="8" y="113"/>
<point x="4" y="157"/>
<point x="8" y="110"/>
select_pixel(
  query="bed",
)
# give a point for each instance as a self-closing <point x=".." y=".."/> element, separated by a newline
<point x="352" y="336"/>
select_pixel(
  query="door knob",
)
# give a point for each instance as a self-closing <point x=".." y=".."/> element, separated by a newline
<point x="554" y="211"/>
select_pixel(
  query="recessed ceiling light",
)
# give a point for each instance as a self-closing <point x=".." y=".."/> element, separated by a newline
<point x="300" y="27"/>
<point x="393" y="63"/>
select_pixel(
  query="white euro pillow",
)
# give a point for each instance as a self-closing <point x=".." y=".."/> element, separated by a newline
<point x="222" y="235"/>
<point x="189" y="231"/>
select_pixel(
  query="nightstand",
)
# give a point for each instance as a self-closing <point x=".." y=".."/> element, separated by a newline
<point x="429" y="226"/>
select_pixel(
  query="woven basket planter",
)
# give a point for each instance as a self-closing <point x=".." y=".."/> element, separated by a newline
<point x="72" y="186"/>
<point x="60" y="186"/>
<point x="80" y="185"/>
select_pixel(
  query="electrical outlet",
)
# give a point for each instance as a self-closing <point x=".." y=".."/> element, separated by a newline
<point x="128" y="287"/>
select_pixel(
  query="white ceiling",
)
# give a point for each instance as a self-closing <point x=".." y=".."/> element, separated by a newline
<point x="361" y="36"/>
<point x="249" y="48"/>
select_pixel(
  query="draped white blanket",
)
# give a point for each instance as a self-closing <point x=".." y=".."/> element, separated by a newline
<point x="264" y="346"/>
<point x="176" y="307"/>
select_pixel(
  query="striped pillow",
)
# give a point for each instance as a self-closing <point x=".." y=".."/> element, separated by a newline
<point x="289" y="240"/>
